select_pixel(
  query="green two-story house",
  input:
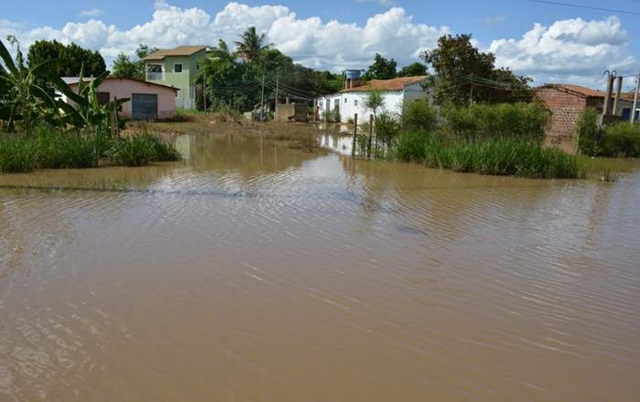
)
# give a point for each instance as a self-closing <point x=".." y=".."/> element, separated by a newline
<point x="178" y="68"/>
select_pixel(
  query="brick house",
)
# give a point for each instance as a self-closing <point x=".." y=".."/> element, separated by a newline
<point x="567" y="102"/>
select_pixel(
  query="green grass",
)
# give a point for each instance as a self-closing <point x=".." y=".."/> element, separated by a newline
<point x="498" y="156"/>
<point x="52" y="150"/>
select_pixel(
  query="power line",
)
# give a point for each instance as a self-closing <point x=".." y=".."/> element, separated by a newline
<point x="610" y="10"/>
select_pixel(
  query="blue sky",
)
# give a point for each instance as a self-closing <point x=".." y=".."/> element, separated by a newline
<point x="549" y="42"/>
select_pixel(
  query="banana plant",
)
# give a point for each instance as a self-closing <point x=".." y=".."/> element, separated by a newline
<point x="85" y="111"/>
<point x="25" y="100"/>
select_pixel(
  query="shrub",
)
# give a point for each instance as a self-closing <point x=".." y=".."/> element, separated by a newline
<point x="615" y="140"/>
<point x="418" y="115"/>
<point x="589" y="135"/>
<point x="509" y="120"/>
<point x="387" y="128"/>
<point x="621" y="140"/>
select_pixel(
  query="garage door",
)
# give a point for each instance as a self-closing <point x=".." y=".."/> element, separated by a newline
<point x="144" y="106"/>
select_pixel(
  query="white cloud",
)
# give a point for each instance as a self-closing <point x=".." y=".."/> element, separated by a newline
<point x="327" y="45"/>
<point x="94" y="12"/>
<point x="571" y="50"/>
<point x="566" y="50"/>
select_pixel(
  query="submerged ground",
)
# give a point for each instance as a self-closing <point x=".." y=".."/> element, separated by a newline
<point x="257" y="272"/>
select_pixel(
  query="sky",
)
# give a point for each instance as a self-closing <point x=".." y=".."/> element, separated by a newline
<point x="563" y="41"/>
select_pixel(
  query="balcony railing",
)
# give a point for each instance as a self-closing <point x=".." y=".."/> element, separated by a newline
<point x="155" y="76"/>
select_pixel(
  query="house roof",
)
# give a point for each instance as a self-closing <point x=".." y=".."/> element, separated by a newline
<point x="178" y="51"/>
<point x="575" y="90"/>
<point x="395" y="84"/>
<point x="586" y="92"/>
<point x="73" y="81"/>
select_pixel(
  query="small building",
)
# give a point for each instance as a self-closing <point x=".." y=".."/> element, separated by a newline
<point x="566" y="104"/>
<point x="148" y="100"/>
<point x="351" y="100"/>
<point x="296" y="111"/>
<point x="178" y="68"/>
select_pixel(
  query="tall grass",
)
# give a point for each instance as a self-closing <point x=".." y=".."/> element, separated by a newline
<point x="48" y="149"/>
<point x="496" y="156"/>
<point x="17" y="154"/>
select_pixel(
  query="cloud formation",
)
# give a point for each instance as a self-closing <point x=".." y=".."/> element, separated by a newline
<point x="570" y="50"/>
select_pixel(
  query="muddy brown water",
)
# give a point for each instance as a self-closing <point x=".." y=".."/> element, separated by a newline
<point x="255" y="272"/>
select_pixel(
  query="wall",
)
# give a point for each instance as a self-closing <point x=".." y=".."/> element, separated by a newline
<point x="353" y="102"/>
<point x="565" y="109"/>
<point x="291" y="111"/>
<point x="124" y="88"/>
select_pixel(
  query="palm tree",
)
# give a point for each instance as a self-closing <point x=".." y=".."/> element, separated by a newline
<point x="251" y="45"/>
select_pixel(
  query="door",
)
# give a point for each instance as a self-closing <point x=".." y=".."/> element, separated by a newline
<point x="144" y="106"/>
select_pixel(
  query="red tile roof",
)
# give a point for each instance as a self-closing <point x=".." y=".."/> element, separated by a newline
<point x="395" y="84"/>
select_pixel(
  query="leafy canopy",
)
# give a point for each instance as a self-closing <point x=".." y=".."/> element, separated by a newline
<point x="464" y="75"/>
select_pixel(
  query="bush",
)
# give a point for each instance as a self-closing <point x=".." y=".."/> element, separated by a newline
<point x="615" y="140"/>
<point x="418" y="115"/>
<point x="387" y="128"/>
<point x="509" y="120"/>
<point x="589" y="135"/>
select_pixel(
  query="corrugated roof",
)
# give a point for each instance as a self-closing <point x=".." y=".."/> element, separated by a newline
<point x="73" y="81"/>
<point x="178" y="51"/>
<point x="395" y="84"/>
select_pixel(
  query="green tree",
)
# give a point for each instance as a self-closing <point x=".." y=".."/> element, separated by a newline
<point x="413" y="70"/>
<point x="464" y="75"/>
<point x="251" y="44"/>
<point x="126" y="66"/>
<point x="374" y="102"/>
<point x="71" y="59"/>
<point x="381" y="69"/>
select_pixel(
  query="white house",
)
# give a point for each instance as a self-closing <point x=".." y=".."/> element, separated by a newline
<point x="351" y="100"/>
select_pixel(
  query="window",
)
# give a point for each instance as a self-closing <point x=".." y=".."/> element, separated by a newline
<point x="355" y="102"/>
<point x="346" y="100"/>
<point x="177" y="68"/>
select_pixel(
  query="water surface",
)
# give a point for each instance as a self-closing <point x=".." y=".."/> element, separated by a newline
<point x="256" y="272"/>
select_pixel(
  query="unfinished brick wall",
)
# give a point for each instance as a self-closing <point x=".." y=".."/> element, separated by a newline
<point x="565" y="109"/>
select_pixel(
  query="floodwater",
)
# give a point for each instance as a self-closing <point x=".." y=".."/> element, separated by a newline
<point x="256" y="272"/>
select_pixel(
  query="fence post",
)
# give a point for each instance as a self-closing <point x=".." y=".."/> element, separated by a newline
<point x="370" y="135"/>
<point x="355" y="134"/>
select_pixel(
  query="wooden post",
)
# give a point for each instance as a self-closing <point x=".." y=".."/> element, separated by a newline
<point x="355" y="134"/>
<point x="370" y="135"/>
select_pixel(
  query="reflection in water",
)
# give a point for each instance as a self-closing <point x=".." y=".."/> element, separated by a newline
<point x="256" y="272"/>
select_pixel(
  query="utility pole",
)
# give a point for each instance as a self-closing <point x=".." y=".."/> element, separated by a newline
<point x="635" y="99"/>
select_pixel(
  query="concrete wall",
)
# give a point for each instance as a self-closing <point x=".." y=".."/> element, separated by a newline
<point x="291" y="111"/>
